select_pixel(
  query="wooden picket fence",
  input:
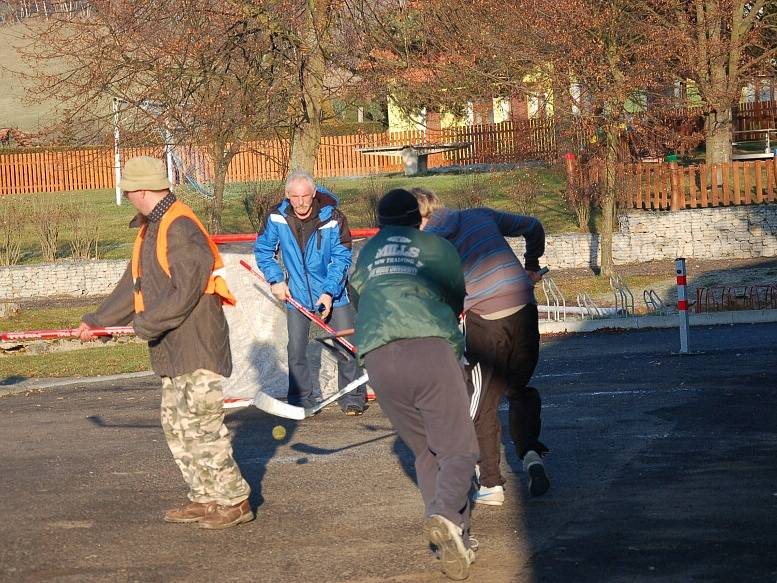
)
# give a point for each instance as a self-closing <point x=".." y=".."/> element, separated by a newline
<point x="673" y="187"/>
<point x="66" y="170"/>
<point x="758" y="115"/>
<point x="81" y="169"/>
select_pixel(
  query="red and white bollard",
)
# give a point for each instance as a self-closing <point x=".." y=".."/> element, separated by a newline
<point x="682" y="303"/>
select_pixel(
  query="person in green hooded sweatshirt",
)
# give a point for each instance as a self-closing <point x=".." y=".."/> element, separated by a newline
<point x="409" y="289"/>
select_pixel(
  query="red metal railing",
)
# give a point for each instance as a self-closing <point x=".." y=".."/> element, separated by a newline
<point x="251" y="237"/>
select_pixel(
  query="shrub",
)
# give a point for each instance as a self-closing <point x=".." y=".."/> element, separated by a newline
<point x="11" y="222"/>
<point x="523" y="190"/>
<point x="84" y="231"/>
<point x="472" y="193"/>
<point x="258" y="201"/>
<point x="581" y="198"/>
<point x="47" y="215"/>
<point x="583" y="192"/>
<point x="374" y="190"/>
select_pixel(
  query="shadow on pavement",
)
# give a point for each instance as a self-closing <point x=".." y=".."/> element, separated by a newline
<point x="662" y="466"/>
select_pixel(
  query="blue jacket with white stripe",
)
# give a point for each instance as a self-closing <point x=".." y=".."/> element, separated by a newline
<point x="322" y="266"/>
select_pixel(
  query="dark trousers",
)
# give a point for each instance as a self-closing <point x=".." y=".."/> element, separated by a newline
<point x="502" y="356"/>
<point x="422" y="390"/>
<point x="300" y="384"/>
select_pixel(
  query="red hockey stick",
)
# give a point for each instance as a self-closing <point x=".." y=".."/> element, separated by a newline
<point x="308" y="314"/>
<point x="64" y="333"/>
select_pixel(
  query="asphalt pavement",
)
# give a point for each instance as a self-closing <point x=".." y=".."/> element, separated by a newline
<point x="663" y="468"/>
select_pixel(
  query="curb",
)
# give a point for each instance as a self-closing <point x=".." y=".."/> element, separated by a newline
<point x="645" y="322"/>
<point x="34" y="384"/>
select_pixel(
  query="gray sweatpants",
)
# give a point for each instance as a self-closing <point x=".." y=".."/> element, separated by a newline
<point x="421" y="388"/>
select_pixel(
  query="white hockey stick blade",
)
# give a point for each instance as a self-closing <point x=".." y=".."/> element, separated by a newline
<point x="352" y="386"/>
<point x="278" y="408"/>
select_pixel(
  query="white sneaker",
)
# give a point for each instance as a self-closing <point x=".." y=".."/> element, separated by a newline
<point x="493" y="496"/>
<point x="455" y="558"/>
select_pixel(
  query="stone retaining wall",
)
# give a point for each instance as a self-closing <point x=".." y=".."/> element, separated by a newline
<point x="739" y="232"/>
<point x="63" y="278"/>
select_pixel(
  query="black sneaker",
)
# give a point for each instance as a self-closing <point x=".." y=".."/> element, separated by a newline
<point x="538" y="479"/>
<point x="354" y="410"/>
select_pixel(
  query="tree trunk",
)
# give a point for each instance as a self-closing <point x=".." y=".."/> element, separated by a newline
<point x="564" y="120"/>
<point x="609" y="199"/>
<point x="306" y="136"/>
<point x="221" y="157"/>
<point x="719" y="128"/>
<point x="217" y="204"/>
<point x="304" y="145"/>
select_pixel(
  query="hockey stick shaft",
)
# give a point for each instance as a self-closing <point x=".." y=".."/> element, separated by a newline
<point x="63" y="333"/>
<point x="307" y="313"/>
<point x="278" y="408"/>
<point x="352" y="386"/>
<point x="339" y="334"/>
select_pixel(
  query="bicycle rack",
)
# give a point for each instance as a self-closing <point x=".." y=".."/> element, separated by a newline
<point x="653" y="302"/>
<point x="585" y="301"/>
<point x="554" y="300"/>
<point x="624" y="299"/>
<point x="709" y="299"/>
<point x="736" y="297"/>
<point x="764" y="297"/>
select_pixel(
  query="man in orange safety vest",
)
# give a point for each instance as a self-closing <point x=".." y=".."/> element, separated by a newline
<point x="172" y="292"/>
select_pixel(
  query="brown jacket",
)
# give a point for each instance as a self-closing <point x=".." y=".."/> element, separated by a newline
<point x="186" y="330"/>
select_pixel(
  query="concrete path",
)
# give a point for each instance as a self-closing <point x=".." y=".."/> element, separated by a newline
<point x="663" y="469"/>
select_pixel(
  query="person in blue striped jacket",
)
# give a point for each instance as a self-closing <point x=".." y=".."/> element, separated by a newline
<point x="502" y="332"/>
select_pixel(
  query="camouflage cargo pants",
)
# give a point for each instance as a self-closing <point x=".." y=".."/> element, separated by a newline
<point x="193" y="422"/>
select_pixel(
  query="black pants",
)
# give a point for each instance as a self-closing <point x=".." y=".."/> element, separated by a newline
<point x="503" y="355"/>
<point x="422" y="390"/>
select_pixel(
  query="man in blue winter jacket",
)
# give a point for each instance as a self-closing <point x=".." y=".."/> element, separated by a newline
<point x="315" y="242"/>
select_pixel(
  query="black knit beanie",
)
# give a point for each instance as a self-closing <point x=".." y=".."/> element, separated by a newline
<point x="398" y="207"/>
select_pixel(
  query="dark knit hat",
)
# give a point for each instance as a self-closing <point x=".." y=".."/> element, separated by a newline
<point x="398" y="207"/>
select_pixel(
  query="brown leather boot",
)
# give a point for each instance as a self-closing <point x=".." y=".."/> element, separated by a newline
<point x="191" y="512"/>
<point x="226" y="516"/>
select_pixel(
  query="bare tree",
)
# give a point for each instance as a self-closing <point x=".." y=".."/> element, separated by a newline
<point x="727" y="43"/>
<point x="602" y="66"/>
<point x="326" y="56"/>
<point x="217" y="73"/>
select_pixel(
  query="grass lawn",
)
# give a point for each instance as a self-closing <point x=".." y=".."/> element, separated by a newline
<point x="15" y="111"/>
<point x="490" y="189"/>
<point x="97" y="359"/>
<point x="599" y="287"/>
<point x="103" y="360"/>
<point x="45" y="318"/>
